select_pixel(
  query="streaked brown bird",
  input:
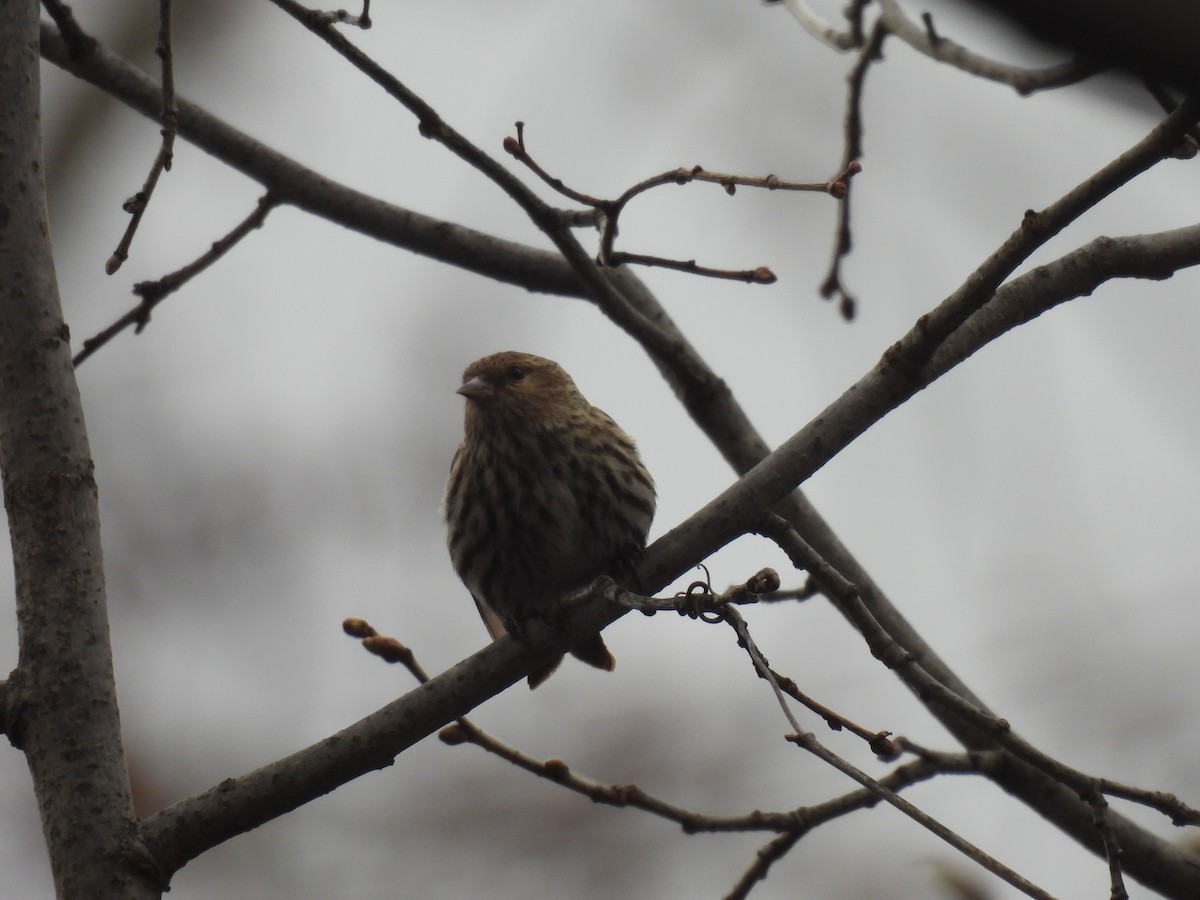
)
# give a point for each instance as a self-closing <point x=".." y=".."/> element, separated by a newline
<point x="546" y="493"/>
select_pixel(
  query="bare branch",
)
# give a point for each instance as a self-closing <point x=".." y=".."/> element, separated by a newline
<point x="606" y="213"/>
<point x="1073" y="275"/>
<point x="915" y="349"/>
<point x="60" y="703"/>
<point x="767" y="855"/>
<point x="80" y="43"/>
<point x="969" y="850"/>
<point x="154" y="292"/>
<point x="822" y="30"/>
<point x="699" y="602"/>
<point x="1112" y="849"/>
<point x="168" y="117"/>
<point x="842" y="243"/>
<point x="925" y="39"/>
<point x="183" y="831"/>
<point x="1166" y="803"/>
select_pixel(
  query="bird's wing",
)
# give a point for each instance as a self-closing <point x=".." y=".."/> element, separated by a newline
<point x="493" y="623"/>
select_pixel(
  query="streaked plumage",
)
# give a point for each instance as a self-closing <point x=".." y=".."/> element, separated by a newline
<point x="545" y="494"/>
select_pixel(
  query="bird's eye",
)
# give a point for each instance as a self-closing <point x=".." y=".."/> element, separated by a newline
<point x="514" y="374"/>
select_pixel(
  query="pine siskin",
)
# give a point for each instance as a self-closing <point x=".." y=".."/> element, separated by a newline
<point x="546" y="493"/>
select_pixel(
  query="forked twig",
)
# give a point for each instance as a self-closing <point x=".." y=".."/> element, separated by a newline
<point x="154" y="292"/>
<point x="605" y="212"/>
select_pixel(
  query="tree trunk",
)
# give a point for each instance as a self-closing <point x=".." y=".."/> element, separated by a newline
<point x="60" y="704"/>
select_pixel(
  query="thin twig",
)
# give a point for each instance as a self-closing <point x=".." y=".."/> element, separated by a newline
<point x="697" y="602"/>
<point x="759" y="275"/>
<point x="835" y="188"/>
<point x="1162" y="801"/>
<point x="1112" y="848"/>
<point x="768" y="854"/>
<point x="853" y="128"/>
<point x="827" y="579"/>
<point x="881" y="742"/>
<point x="761" y="666"/>
<point x="822" y="30"/>
<point x="136" y="205"/>
<point x="805" y="592"/>
<point x="154" y="292"/>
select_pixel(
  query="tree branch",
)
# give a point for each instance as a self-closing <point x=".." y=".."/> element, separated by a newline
<point x="935" y="46"/>
<point x="136" y="205"/>
<point x="915" y="349"/>
<point x="60" y="702"/>
<point x="154" y="292"/>
<point x="1073" y="275"/>
<point x="293" y="184"/>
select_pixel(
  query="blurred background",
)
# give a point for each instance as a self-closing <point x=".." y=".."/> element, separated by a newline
<point x="271" y="451"/>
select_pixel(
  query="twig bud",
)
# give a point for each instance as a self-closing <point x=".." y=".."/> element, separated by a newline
<point x="453" y="735"/>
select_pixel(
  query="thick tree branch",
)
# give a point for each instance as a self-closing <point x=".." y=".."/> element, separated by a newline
<point x="185" y="830"/>
<point x="60" y="702"/>
<point x="1073" y="275"/>
<point x="915" y="349"/>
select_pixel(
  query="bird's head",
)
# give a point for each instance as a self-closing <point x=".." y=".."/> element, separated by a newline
<point x="519" y="389"/>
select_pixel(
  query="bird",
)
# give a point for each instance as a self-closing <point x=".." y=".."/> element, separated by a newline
<point x="546" y="493"/>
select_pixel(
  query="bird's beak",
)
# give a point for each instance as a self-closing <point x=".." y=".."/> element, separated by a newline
<point x="477" y="389"/>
